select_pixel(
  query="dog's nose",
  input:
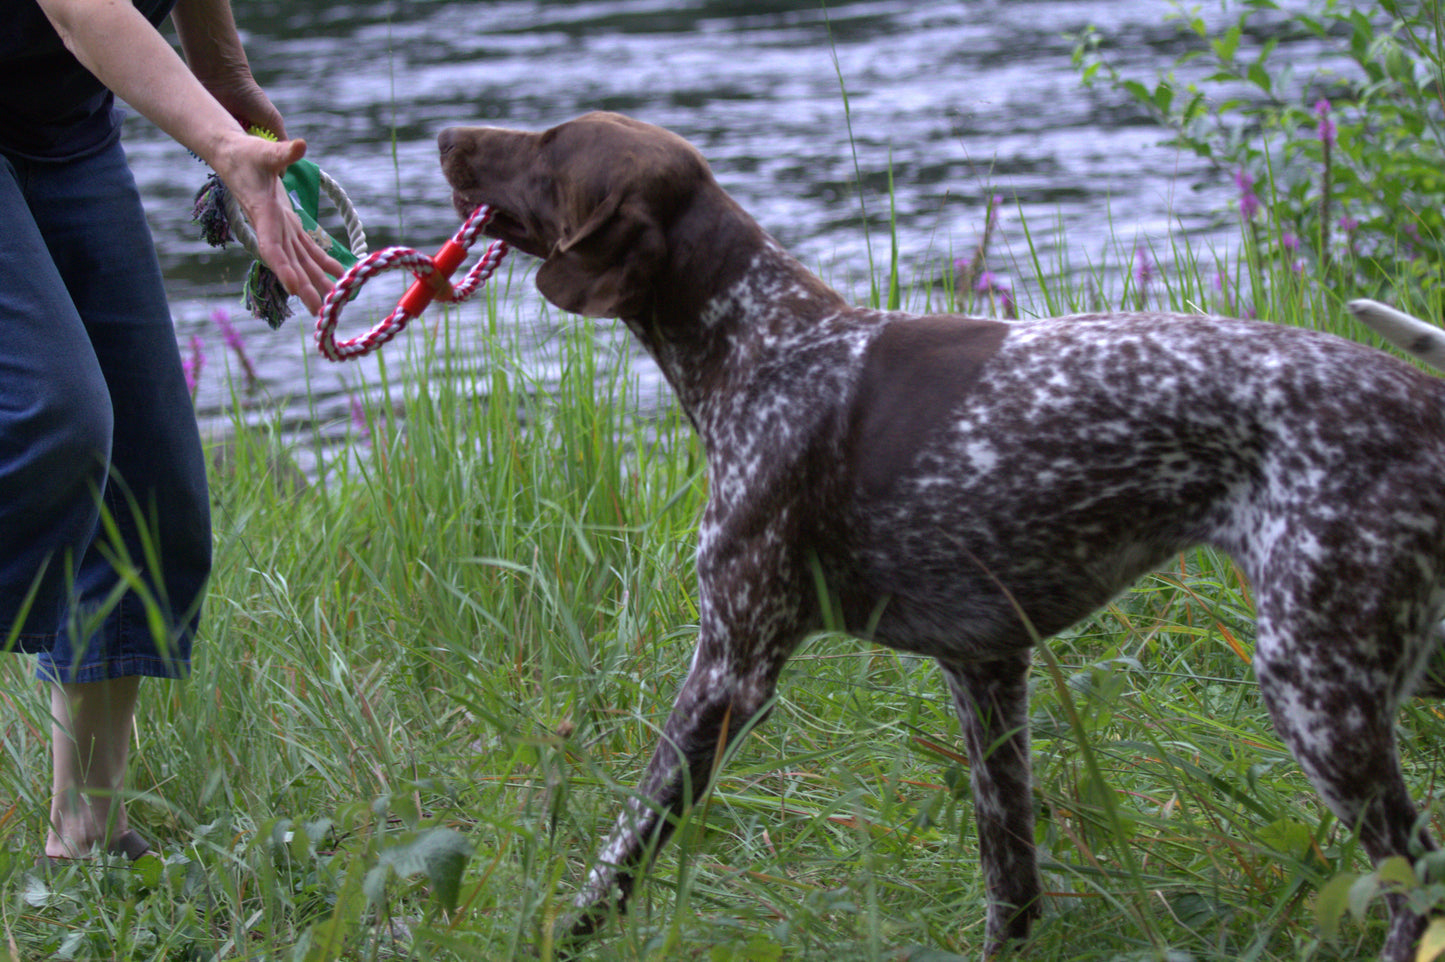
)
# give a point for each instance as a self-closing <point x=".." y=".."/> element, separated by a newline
<point x="447" y="140"/>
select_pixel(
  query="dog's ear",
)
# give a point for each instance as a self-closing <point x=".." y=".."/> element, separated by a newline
<point x="605" y="267"/>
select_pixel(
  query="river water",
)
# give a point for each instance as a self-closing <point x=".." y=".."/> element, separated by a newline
<point x="960" y="101"/>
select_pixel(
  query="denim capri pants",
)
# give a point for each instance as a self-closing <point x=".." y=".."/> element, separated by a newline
<point x="105" y="537"/>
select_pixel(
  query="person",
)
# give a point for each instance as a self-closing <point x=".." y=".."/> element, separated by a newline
<point x="105" y="541"/>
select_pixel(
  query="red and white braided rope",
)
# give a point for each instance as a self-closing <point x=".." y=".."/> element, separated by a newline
<point x="432" y="282"/>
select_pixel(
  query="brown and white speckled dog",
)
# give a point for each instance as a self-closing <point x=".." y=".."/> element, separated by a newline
<point x="965" y="487"/>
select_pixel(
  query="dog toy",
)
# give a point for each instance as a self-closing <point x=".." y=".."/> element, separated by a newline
<point x="221" y="220"/>
<point x="432" y="283"/>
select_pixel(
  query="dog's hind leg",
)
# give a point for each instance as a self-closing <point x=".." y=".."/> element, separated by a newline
<point x="991" y="699"/>
<point x="1333" y="696"/>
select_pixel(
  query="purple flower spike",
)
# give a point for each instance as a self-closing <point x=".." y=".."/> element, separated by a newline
<point x="1327" y="126"/>
<point x="1143" y="267"/>
<point x="192" y="365"/>
<point x="989" y="285"/>
<point x="232" y="337"/>
<point x="1248" y="199"/>
<point x="358" y="421"/>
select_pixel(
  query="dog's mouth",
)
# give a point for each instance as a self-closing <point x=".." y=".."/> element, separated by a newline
<point x="503" y="225"/>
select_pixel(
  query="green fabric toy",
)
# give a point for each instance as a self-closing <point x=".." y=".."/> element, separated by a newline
<point x="262" y="292"/>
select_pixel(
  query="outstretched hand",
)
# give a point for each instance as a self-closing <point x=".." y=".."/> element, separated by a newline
<point x="251" y="168"/>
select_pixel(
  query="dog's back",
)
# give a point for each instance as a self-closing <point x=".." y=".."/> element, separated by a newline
<point x="1087" y="450"/>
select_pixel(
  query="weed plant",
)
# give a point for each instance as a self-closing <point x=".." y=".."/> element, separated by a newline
<point x="1337" y="166"/>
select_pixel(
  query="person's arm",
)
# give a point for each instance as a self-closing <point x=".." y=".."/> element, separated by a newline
<point x="212" y="47"/>
<point x="115" y="42"/>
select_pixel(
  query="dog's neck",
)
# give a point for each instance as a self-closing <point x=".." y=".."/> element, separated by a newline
<point x="729" y="297"/>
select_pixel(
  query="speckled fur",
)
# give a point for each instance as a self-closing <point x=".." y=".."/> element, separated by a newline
<point x="965" y="488"/>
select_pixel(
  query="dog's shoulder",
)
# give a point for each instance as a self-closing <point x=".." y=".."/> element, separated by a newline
<point x="913" y="372"/>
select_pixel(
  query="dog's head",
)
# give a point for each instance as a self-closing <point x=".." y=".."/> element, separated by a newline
<point x="594" y="197"/>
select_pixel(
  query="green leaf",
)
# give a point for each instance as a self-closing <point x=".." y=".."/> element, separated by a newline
<point x="1289" y="836"/>
<point x="1163" y="97"/>
<point x="149" y="869"/>
<point x="1137" y="90"/>
<point x="1225" y="47"/>
<point x="438" y="853"/>
<point x="1397" y="869"/>
<point x="1432" y="943"/>
<point x="1332" y="902"/>
<point x="1260" y="77"/>
<point x="1362" y="891"/>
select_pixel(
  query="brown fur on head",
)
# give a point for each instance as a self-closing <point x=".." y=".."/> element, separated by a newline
<point x="594" y="197"/>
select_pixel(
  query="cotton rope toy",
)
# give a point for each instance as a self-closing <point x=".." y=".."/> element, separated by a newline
<point x="432" y="283"/>
<point x="222" y="220"/>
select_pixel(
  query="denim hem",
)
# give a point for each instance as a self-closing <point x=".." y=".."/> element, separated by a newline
<point x="123" y="667"/>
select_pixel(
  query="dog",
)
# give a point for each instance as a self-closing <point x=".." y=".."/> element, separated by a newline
<point x="963" y="488"/>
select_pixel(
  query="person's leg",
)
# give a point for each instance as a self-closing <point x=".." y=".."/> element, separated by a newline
<point x="137" y="588"/>
<point x="156" y="520"/>
<point x="55" y="435"/>
<point x="91" y="728"/>
<point x="55" y="428"/>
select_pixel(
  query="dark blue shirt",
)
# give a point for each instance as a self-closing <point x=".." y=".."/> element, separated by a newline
<point x="52" y="108"/>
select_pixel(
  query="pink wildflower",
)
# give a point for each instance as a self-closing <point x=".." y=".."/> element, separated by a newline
<point x="358" y="421"/>
<point x="989" y="285"/>
<point x="1248" y="199"/>
<point x="1143" y="267"/>
<point x="1327" y="126"/>
<point x="192" y="365"/>
<point x="232" y="338"/>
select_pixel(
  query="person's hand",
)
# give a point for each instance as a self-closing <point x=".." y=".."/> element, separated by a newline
<point x="251" y="168"/>
<point x="253" y="176"/>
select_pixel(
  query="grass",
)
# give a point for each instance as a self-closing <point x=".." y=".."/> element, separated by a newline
<point x="431" y="673"/>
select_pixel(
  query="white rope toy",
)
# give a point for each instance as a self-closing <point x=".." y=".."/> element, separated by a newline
<point x="355" y="233"/>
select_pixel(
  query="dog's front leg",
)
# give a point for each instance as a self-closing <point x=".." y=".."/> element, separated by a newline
<point x="991" y="699"/>
<point x="719" y="698"/>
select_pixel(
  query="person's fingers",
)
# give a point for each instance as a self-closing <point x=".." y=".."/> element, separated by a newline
<point x="301" y="264"/>
<point x="293" y="150"/>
